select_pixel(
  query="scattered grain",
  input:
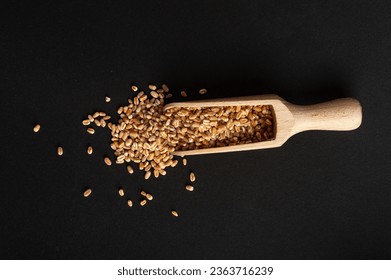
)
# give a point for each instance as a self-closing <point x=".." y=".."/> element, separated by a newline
<point x="143" y="193"/>
<point x="184" y="161"/>
<point x="134" y="88"/>
<point x="130" y="203"/>
<point x="152" y="87"/>
<point x="89" y="150"/>
<point x="143" y="202"/>
<point x="36" y="128"/>
<point x="174" y="213"/>
<point x="87" y="192"/>
<point x="203" y="91"/>
<point x="192" y="177"/>
<point x="107" y="99"/>
<point x="90" y="130"/>
<point x="154" y="94"/>
<point x="60" y="151"/>
<point x="121" y="192"/>
<point x="107" y="161"/>
<point x="147" y="175"/>
<point x="149" y="196"/>
<point x="190" y="188"/>
<point x="130" y="169"/>
<point x="165" y="88"/>
<point x="86" y="122"/>
<point x="183" y="93"/>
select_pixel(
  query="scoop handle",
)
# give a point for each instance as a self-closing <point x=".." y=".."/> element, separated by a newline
<point x="339" y="114"/>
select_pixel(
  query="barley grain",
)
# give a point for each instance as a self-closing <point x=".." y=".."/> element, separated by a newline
<point x="36" y="128"/>
<point x="90" y="130"/>
<point x="87" y="192"/>
<point x="121" y="192"/>
<point x="130" y="169"/>
<point x="147" y="175"/>
<point x="107" y="161"/>
<point x="154" y="94"/>
<point x="192" y="177"/>
<point x="86" y="122"/>
<point x="165" y="88"/>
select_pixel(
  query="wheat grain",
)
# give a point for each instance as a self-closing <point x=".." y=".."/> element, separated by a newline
<point x="36" y="127"/>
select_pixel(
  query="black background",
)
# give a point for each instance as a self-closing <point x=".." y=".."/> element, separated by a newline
<point x="323" y="195"/>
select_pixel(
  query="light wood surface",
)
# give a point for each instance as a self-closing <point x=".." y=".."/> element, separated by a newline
<point x="340" y="115"/>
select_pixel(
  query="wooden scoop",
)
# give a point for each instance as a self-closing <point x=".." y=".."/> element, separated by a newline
<point x="339" y="114"/>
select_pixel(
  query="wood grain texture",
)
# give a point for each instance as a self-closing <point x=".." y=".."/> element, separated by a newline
<point x="340" y="115"/>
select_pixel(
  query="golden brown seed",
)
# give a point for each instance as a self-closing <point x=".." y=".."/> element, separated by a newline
<point x="60" y="151"/>
<point x="147" y="175"/>
<point x="90" y="130"/>
<point x="86" y="122"/>
<point x="183" y="93"/>
<point x="152" y="87"/>
<point x="154" y="94"/>
<point x="165" y="88"/>
<point x="174" y="213"/>
<point x="36" y="128"/>
<point x="107" y="161"/>
<point x="121" y="192"/>
<point x="149" y="196"/>
<point x="87" y="192"/>
<point x="130" y="203"/>
<point x="143" y="202"/>
<point x="130" y="169"/>
<point x="107" y="99"/>
<point x="203" y="91"/>
<point x="190" y="188"/>
<point x="184" y="161"/>
<point x="134" y="88"/>
<point x="89" y="150"/>
<point x="143" y="193"/>
<point x="169" y="95"/>
<point x="95" y="115"/>
<point x="192" y="177"/>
